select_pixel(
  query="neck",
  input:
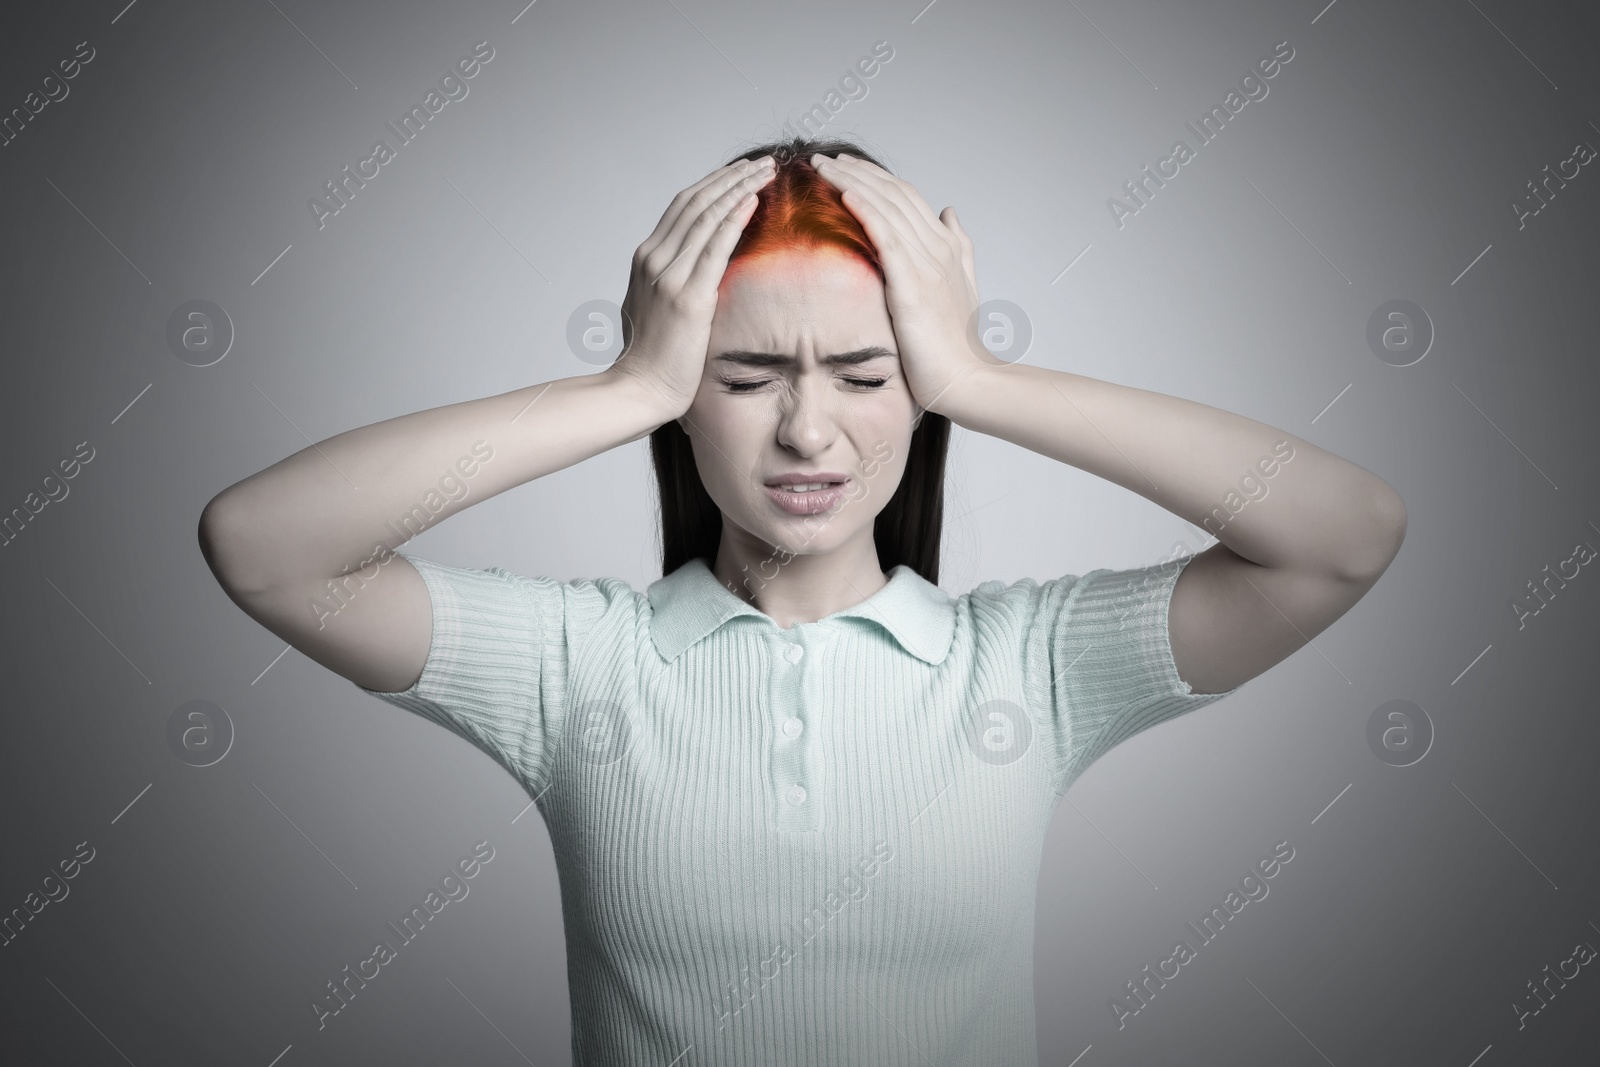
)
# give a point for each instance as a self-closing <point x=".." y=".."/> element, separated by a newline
<point x="801" y="588"/>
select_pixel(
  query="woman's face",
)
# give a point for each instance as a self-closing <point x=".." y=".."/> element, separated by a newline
<point x="771" y="404"/>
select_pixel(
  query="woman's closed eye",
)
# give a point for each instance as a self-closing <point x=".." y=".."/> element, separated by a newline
<point x="749" y="384"/>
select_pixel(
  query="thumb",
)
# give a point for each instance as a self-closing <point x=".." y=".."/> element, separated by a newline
<point x="948" y="217"/>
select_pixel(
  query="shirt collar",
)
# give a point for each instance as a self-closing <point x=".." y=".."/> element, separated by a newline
<point x="690" y="603"/>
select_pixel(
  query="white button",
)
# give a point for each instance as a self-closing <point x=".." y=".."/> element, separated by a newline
<point x="792" y="727"/>
<point x="794" y="653"/>
<point x="797" y="795"/>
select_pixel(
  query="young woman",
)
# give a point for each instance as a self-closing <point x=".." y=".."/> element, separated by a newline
<point x="797" y="794"/>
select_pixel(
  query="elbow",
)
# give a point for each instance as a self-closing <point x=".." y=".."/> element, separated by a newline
<point x="211" y="533"/>
<point x="1377" y="538"/>
<point x="222" y="544"/>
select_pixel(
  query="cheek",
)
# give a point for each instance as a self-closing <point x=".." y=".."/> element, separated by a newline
<point x="856" y="489"/>
<point x="728" y="438"/>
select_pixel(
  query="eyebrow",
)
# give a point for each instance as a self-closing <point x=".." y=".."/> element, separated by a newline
<point x="747" y="358"/>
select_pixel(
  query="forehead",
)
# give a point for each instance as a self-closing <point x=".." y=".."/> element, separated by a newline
<point x="821" y="293"/>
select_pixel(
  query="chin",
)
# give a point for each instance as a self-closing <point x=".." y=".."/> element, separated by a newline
<point x="792" y="535"/>
<point x="815" y="539"/>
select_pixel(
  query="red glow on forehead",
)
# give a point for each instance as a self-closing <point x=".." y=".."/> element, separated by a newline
<point x="799" y="211"/>
<point x="799" y="265"/>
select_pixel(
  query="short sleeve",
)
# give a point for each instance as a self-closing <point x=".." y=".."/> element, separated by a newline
<point x="1098" y="653"/>
<point x="500" y="659"/>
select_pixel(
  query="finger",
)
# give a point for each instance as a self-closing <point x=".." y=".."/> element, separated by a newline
<point x="929" y="243"/>
<point x="841" y="177"/>
<point x="752" y="176"/>
<point x="670" y="215"/>
<point x="860" y="175"/>
<point x="712" y="262"/>
<point x="885" y="222"/>
<point x="900" y="189"/>
<point x="942" y="228"/>
<point x="721" y="177"/>
<point x="688" y="204"/>
<point x="686" y="245"/>
<point x="677" y="272"/>
<point x="885" y="225"/>
<point x="685" y="208"/>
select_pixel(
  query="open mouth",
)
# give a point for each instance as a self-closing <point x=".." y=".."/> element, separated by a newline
<point x="804" y="487"/>
<point x="806" y="498"/>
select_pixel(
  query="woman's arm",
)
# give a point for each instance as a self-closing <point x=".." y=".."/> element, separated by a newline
<point x="1298" y="547"/>
<point x="305" y="547"/>
<point x="1288" y="564"/>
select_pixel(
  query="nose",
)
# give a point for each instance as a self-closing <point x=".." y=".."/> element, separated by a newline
<point x="805" y="415"/>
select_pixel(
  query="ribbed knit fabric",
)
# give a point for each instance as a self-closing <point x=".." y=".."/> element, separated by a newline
<point x="813" y="846"/>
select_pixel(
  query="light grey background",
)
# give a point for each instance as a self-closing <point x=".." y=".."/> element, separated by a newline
<point x="1380" y="166"/>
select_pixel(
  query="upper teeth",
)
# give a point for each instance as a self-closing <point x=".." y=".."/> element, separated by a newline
<point x="805" y="487"/>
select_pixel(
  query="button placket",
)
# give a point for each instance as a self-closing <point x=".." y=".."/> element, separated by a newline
<point x="796" y="803"/>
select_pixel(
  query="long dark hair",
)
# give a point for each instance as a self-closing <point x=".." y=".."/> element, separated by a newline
<point x="798" y="208"/>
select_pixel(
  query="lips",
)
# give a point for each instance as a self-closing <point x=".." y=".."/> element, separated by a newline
<point x="807" y="503"/>
<point x="794" y="478"/>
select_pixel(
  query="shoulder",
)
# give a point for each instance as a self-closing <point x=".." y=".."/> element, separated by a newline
<point x="611" y="589"/>
<point x="608" y="588"/>
<point x="1022" y="595"/>
<point x="1011" y="614"/>
<point x="581" y="598"/>
<point x="1103" y="606"/>
<point x="578" y="604"/>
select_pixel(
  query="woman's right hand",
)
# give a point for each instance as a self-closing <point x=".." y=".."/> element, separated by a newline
<point x="672" y="286"/>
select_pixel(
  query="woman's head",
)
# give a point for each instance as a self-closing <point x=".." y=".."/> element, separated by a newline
<point x="803" y="288"/>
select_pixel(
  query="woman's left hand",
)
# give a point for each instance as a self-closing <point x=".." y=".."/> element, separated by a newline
<point x="931" y="285"/>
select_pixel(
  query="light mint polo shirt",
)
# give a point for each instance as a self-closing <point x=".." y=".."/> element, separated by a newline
<point x="801" y="847"/>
